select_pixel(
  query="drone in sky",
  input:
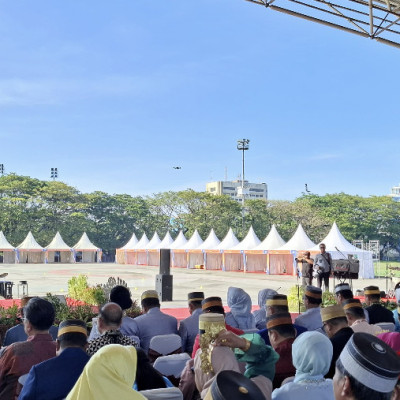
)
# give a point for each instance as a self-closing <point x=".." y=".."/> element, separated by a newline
<point x="177" y="167"/>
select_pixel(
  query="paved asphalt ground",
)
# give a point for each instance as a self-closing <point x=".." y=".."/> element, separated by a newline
<point x="44" y="278"/>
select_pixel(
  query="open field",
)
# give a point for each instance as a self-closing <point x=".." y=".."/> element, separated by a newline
<point x="44" y="278"/>
<point x="382" y="270"/>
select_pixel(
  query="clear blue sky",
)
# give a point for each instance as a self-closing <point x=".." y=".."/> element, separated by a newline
<point x="116" y="93"/>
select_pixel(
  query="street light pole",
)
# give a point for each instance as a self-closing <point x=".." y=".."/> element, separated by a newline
<point x="243" y="145"/>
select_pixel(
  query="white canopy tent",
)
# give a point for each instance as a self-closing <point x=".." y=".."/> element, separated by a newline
<point x="166" y="242"/>
<point x="282" y="260"/>
<point x="179" y="254"/>
<point x="257" y="258"/>
<point x="195" y="254"/>
<point x="337" y="245"/>
<point x="85" y="251"/>
<point x="199" y="256"/>
<point x="179" y="241"/>
<point x="30" y="251"/>
<point x="153" y="254"/>
<point x="121" y="255"/>
<point x="194" y="242"/>
<point x="229" y="241"/>
<point x="235" y="258"/>
<point x="273" y="240"/>
<point x="59" y="251"/>
<point x="214" y="257"/>
<point x="299" y="241"/>
<point x="154" y="242"/>
<point x="7" y="251"/>
<point x="142" y="253"/>
<point x="134" y="255"/>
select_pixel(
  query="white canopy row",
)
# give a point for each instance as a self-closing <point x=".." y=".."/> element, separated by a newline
<point x="272" y="255"/>
<point x="30" y="251"/>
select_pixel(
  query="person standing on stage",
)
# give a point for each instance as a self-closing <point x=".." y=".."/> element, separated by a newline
<point x="323" y="267"/>
<point x="305" y="265"/>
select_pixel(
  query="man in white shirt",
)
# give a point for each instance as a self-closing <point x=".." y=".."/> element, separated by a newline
<point x="356" y="318"/>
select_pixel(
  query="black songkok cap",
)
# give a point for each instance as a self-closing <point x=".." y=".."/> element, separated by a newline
<point x="211" y="302"/>
<point x="371" y="362"/>
<point x="195" y="296"/>
<point x="233" y="386"/>
<point x="313" y="291"/>
<point x="372" y="290"/>
<point x="279" y="320"/>
<point x="277" y="300"/>
<point x="72" y="326"/>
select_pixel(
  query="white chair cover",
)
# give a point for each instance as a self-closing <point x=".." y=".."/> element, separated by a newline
<point x="172" y="364"/>
<point x="163" y="394"/>
<point x="165" y="344"/>
<point x="386" y="326"/>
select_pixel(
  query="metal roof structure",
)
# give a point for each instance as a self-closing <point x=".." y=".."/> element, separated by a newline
<point x="374" y="19"/>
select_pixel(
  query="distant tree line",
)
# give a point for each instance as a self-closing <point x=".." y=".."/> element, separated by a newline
<point x="45" y="207"/>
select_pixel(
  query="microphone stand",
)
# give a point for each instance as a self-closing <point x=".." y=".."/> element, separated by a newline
<point x="346" y="258"/>
<point x="298" y="286"/>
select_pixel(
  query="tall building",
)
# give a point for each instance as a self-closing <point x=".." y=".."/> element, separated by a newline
<point x="233" y="189"/>
<point x="395" y="195"/>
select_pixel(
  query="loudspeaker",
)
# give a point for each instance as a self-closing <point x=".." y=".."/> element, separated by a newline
<point x="165" y="261"/>
<point x="164" y="287"/>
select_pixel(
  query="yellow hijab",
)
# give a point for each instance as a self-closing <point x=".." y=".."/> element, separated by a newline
<point x="109" y="374"/>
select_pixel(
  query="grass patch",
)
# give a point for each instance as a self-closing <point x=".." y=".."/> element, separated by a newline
<point x="381" y="270"/>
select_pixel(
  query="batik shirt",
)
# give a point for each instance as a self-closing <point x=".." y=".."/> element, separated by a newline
<point x="109" y="337"/>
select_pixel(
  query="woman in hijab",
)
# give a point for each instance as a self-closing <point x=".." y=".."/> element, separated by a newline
<point x="109" y="375"/>
<point x="260" y="315"/>
<point x="147" y="377"/>
<point x="240" y="315"/>
<point x="312" y="355"/>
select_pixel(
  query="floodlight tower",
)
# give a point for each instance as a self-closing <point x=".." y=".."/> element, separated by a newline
<point x="2" y="169"/>
<point x="54" y="173"/>
<point x="243" y="145"/>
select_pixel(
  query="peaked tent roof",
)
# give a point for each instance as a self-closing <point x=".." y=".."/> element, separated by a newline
<point x="166" y="242"/>
<point x="179" y="242"/>
<point x="154" y="242"/>
<point x="335" y="239"/>
<point x="211" y="242"/>
<point x="272" y="242"/>
<point x="249" y="242"/>
<point x="4" y="243"/>
<point x="142" y="243"/>
<point x="194" y="242"/>
<point x="58" y="243"/>
<point x="299" y="241"/>
<point x="30" y="243"/>
<point x="229" y="241"/>
<point x="131" y="243"/>
<point x="84" y="243"/>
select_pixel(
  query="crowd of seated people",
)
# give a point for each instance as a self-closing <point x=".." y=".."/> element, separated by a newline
<point x="327" y="353"/>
